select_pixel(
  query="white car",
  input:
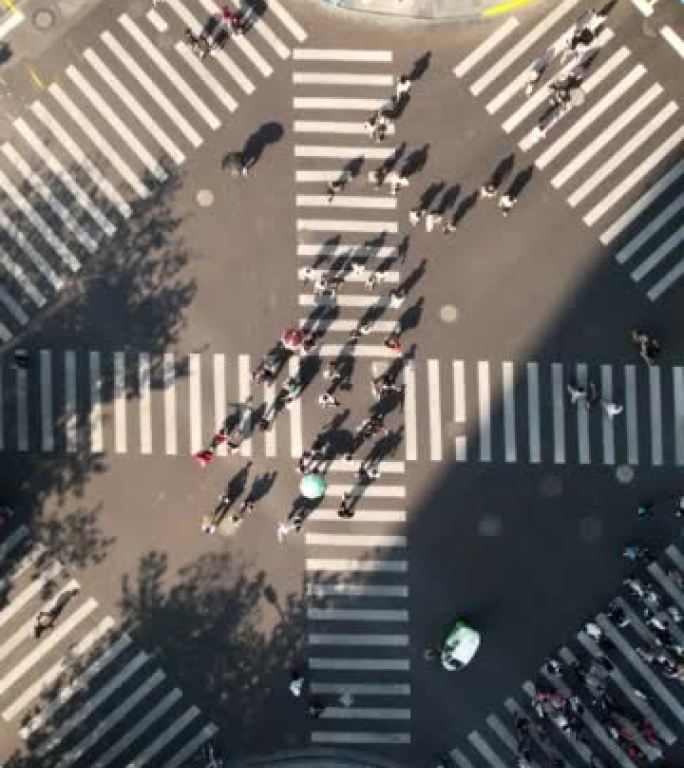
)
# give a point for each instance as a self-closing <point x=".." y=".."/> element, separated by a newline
<point x="460" y="646"/>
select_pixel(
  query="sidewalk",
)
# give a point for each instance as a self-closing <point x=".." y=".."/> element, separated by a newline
<point x="431" y="10"/>
<point x="317" y="757"/>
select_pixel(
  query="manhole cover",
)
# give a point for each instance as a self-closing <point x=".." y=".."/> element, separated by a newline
<point x="205" y="198"/>
<point x="449" y="313"/>
<point x="624" y="473"/>
<point x="43" y="18"/>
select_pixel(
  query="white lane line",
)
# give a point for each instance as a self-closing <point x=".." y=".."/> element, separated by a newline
<point x="47" y="442"/>
<point x="346" y="201"/>
<point x="460" y="759"/>
<point x="32" y="178"/>
<point x="533" y="413"/>
<point x="359" y="737"/>
<point x="362" y="515"/>
<point x="357" y="590"/>
<point x="368" y="491"/>
<point x="120" y="441"/>
<point x="498" y="36"/>
<point x="134" y="106"/>
<point x="339" y="225"/>
<point x="116" y="716"/>
<point x="588" y="119"/>
<point x="210" y="81"/>
<point x="502" y="732"/>
<point x="361" y="105"/>
<point x="245" y="400"/>
<point x="31" y="252"/>
<point x="508" y="376"/>
<point x="362" y="689"/>
<point x="91" y="704"/>
<point x="143" y="724"/>
<point x="629" y="181"/>
<point x="95" y="422"/>
<point x="270" y="436"/>
<point x="39" y="223"/>
<point x="673" y="39"/>
<point x="8" y="546"/>
<point x="351" y="565"/>
<point x="157" y="21"/>
<point x="505" y="61"/>
<point x="627" y="149"/>
<point x="317" y="250"/>
<point x="649" y="197"/>
<point x="13" y="20"/>
<point x="583" y="451"/>
<point x="385" y="467"/>
<point x="622" y="121"/>
<point x="631" y="418"/>
<point x="644" y="6"/>
<point x="107" y="150"/>
<point x="667" y="281"/>
<point x="593" y="82"/>
<point x="654" y="391"/>
<point x="355" y="540"/>
<point x="81" y="159"/>
<point x="181" y="756"/>
<point x="341" y="78"/>
<point x="388" y="276"/>
<point x="410" y="412"/>
<point x="145" y="400"/>
<point x="13" y="307"/>
<point x="362" y="665"/>
<point x="321" y="177"/>
<point x="20" y="668"/>
<point x="359" y="350"/>
<point x="220" y="55"/>
<point x="345" y="128"/>
<point x="484" y="410"/>
<point x="60" y="172"/>
<point x="346" y="326"/>
<point x="20" y="276"/>
<point x="366" y="713"/>
<point x="608" y="427"/>
<point x="678" y="388"/>
<point x="268" y="34"/>
<point x="22" y="410"/>
<point x="485" y="750"/>
<point x="675" y="555"/>
<point x="460" y="441"/>
<point x="341" y="54"/>
<point x="168" y="735"/>
<point x="195" y="404"/>
<point x="169" y="72"/>
<point x="287" y="20"/>
<point x="541" y="94"/>
<point x="169" y="384"/>
<point x="152" y="90"/>
<point x="558" y="413"/>
<point x="434" y="409"/>
<point x="66" y="662"/>
<point x="296" y="428"/>
<point x="670" y="244"/>
<point x="350" y="153"/>
<point x="307" y="300"/>
<point x="76" y="685"/>
<point x="220" y="398"/>
<point x="358" y="639"/>
<point x="70" y="402"/>
<point x="649" y="230"/>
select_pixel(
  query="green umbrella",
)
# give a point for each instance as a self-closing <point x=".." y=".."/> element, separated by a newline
<point x="313" y="486"/>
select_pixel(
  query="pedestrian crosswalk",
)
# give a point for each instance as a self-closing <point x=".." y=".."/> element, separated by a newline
<point x="357" y="612"/>
<point x="625" y="712"/>
<point x="336" y="90"/>
<point x="119" y="122"/>
<point x="143" y="403"/>
<point x="140" y="404"/>
<point x="82" y="689"/>
<point x="615" y="154"/>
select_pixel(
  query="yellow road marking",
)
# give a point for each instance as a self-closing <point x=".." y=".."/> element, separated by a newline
<point x="36" y="79"/>
<point x="495" y="10"/>
<point x="10" y="5"/>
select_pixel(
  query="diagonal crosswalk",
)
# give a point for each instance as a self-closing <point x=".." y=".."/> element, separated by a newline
<point x="628" y="711"/>
<point x="614" y="154"/>
<point x="98" y="679"/>
<point x="137" y="104"/>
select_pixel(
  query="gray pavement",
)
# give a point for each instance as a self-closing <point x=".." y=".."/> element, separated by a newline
<point x="497" y="493"/>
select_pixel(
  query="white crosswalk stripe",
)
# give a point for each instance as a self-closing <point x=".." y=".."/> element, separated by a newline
<point x="141" y="73"/>
<point x="593" y="156"/>
<point x="93" y="667"/>
<point x="643" y="699"/>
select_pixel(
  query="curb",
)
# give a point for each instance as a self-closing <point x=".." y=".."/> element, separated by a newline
<point x="431" y="11"/>
<point x="316" y="757"/>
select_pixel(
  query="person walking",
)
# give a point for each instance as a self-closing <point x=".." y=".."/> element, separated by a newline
<point x="397" y="296"/>
<point x="378" y="177"/>
<point x="44" y="620"/>
<point x="415" y="215"/>
<point x="402" y="88"/>
<point x="21" y="359"/>
<point x="393" y="342"/>
<point x="372" y="280"/>
<point x="396" y="181"/>
<point x="612" y="409"/>
<point x="345" y="510"/>
<point x="431" y="221"/>
<point x="506" y="203"/>
<point x="326" y="400"/>
<point x="488" y="190"/>
<point x="358" y="270"/>
<point x="333" y="188"/>
<point x="576" y="393"/>
<point x="331" y="372"/>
